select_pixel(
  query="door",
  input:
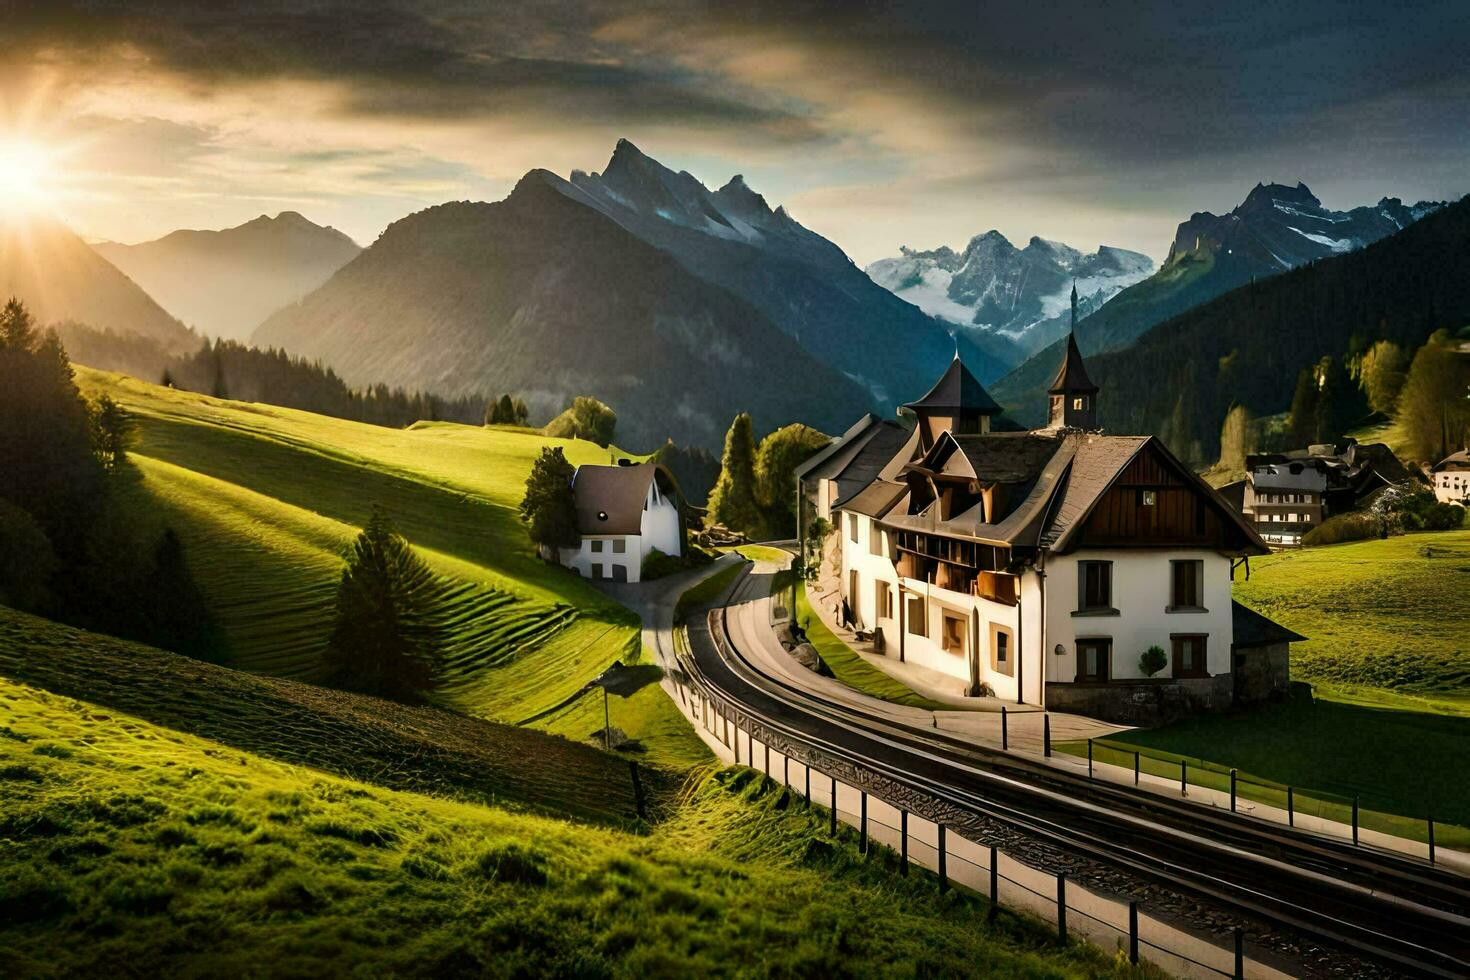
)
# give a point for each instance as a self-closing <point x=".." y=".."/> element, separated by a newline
<point x="852" y="594"/>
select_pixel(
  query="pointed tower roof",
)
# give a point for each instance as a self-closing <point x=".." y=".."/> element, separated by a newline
<point x="1073" y="373"/>
<point x="957" y="389"/>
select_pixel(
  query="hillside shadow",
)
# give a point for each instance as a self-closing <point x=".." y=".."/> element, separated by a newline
<point x="1407" y="762"/>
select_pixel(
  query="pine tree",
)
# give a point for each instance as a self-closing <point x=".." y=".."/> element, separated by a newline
<point x="549" y="509"/>
<point x="733" y="501"/>
<point x="17" y="327"/>
<point x="1303" y="420"/>
<point x="1381" y="372"/>
<point x="1237" y="439"/>
<point x="1434" y="406"/>
<point x="113" y="432"/>
<point x="387" y="638"/>
<point x="521" y="413"/>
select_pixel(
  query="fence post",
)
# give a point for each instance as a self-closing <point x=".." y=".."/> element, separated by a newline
<point x="808" y="767"/>
<point x="1089" y="758"/>
<point x="1135" y="767"/>
<point x="1005" y="738"/>
<point x="1430" y="822"/>
<point x="1239" y="954"/>
<point x="737" y="745"/>
<point x="903" y="833"/>
<point x="1232" y="791"/>
<point x="1183" y="778"/>
<point x="1355" y="819"/>
<point x="863" y="824"/>
<point x="833" y="813"/>
<point x="943" y="872"/>
<point x="1290" y="807"/>
<point x="1046" y="735"/>
<point x="785" y="772"/>
<point x="1061" y="908"/>
<point x="994" y="883"/>
<point x="767" y="767"/>
<point x="1133" y="931"/>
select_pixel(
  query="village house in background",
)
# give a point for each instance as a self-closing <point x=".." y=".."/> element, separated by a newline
<point x="1452" y="478"/>
<point x="1040" y="567"/>
<point x="1288" y="494"/>
<point x="624" y="514"/>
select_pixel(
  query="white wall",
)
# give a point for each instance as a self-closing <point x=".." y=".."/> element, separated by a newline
<point x="1452" y="486"/>
<point x="582" y="559"/>
<point x="927" y="651"/>
<point x="660" y="525"/>
<point x="1141" y="587"/>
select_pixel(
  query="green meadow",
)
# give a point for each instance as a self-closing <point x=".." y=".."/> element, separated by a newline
<point x="1389" y="660"/>
<point x="266" y="498"/>
<point x="134" y="842"/>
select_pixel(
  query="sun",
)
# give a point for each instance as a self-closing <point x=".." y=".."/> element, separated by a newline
<point x="26" y="170"/>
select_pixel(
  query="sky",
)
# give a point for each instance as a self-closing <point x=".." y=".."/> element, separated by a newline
<point x="877" y="125"/>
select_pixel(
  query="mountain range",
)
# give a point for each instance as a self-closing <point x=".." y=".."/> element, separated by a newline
<point x="1276" y="228"/>
<point x="545" y="296"/>
<point x="1022" y="294"/>
<point x="224" y="283"/>
<point x="60" y="277"/>
<point x="1247" y="346"/>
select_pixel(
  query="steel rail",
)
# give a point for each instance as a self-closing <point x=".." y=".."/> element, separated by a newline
<point x="1149" y="848"/>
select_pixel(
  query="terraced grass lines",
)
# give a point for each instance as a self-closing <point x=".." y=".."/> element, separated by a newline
<point x="265" y="499"/>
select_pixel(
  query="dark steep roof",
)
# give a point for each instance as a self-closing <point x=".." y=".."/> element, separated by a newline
<point x="1008" y="457"/>
<point x="617" y="491"/>
<point x="1251" y="629"/>
<point x="886" y="442"/>
<point x="957" y="389"/>
<point x="876" y="499"/>
<point x="1072" y="375"/>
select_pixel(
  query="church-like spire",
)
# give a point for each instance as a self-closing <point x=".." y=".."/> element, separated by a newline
<point x="1074" y="305"/>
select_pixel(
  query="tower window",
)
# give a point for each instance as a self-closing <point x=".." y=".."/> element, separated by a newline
<point x="1079" y="403"/>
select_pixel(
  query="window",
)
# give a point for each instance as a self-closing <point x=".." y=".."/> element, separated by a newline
<point x="883" y="600"/>
<point x="1079" y="403"/>
<point x="918" y="616"/>
<point x="875" y="540"/>
<point x="1189" y="655"/>
<point x="1000" y="651"/>
<point x="1094" y="659"/>
<point x="596" y="547"/>
<point x="620" y="546"/>
<point x="852" y="528"/>
<point x="953" y="639"/>
<point x="1094" y="586"/>
<point x="1147" y="498"/>
<point x="1187" y="591"/>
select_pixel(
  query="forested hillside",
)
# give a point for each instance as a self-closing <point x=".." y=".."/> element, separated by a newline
<point x="1249" y="345"/>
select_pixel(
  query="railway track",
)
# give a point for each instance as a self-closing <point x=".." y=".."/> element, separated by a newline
<point x="1405" y="913"/>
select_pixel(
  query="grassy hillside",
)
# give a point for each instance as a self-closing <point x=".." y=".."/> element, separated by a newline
<point x="1385" y="614"/>
<point x="265" y="498"/>
<point x="131" y="845"/>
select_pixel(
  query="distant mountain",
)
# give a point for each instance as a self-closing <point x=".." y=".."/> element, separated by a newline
<point x="1248" y="345"/>
<point x="60" y="277"/>
<point x="804" y="283"/>
<point x="1275" y="229"/>
<point x="546" y="296"/>
<point x="225" y="283"/>
<point x="1022" y="294"/>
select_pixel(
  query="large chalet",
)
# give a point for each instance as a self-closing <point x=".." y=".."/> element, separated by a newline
<point x="1039" y="566"/>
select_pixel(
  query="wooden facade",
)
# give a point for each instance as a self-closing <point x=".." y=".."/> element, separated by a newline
<point x="1152" y="505"/>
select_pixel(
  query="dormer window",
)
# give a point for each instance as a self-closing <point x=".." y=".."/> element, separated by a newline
<point x="1148" y="498"/>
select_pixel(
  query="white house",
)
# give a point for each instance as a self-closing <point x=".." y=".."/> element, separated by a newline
<point x="624" y="513"/>
<point x="1452" y="478"/>
<point x="1039" y="566"/>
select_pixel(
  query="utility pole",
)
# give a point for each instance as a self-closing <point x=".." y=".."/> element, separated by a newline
<point x="799" y="566"/>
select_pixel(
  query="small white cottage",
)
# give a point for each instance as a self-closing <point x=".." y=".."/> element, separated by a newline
<point x="623" y="514"/>
<point x="1452" y="478"/>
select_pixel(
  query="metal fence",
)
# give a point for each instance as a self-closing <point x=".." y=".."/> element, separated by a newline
<point x="979" y="868"/>
<point x="1348" y="816"/>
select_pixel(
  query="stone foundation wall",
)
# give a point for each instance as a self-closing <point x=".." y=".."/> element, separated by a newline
<point x="1143" y="702"/>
